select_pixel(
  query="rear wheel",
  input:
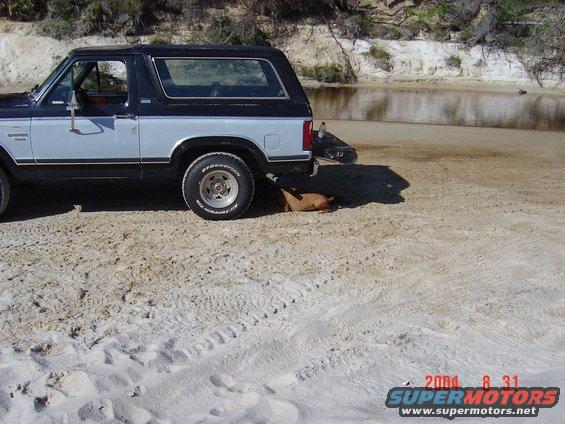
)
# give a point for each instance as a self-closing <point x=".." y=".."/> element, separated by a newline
<point x="4" y="191"/>
<point x="218" y="186"/>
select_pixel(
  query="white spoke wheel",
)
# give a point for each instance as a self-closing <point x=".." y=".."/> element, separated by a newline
<point x="4" y="191"/>
<point x="218" y="186"/>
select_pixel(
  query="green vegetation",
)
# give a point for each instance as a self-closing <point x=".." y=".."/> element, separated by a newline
<point x="392" y="33"/>
<point x="333" y="73"/>
<point x="453" y="61"/>
<point x="66" y="18"/>
<point x="356" y="26"/>
<point x="159" y="40"/>
<point x="380" y="53"/>
<point x="465" y="34"/>
<point x="382" y="57"/>
<point x="428" y="20"/>
<point x="56" y="28"/>
<point x="22" y="10"/>
<point x="281" y="9"/>
<point x="224" y="29"/>
<point x="530" y="28"/>
<point x="534" y="31"/>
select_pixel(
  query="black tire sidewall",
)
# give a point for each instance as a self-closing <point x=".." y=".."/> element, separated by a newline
<point x="224" y="162"/>
<point x="4" y="191"/>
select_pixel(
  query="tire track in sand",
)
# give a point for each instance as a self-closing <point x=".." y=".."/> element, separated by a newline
<point x="202" y="345"/>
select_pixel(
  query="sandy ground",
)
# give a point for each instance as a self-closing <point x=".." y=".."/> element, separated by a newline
<point x="445" y="257"/>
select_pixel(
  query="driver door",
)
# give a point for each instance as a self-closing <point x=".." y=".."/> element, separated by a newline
<point x="104" y="140"/>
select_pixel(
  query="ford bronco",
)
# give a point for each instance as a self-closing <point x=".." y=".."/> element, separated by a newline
<point x="213" y="117"/>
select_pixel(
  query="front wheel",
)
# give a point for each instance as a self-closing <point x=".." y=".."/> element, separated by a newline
<point x="218" y="186"/>
<point x="4" y="191"/>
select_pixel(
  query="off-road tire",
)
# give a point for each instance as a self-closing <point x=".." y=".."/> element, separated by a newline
<point x="218" y="162"/>
<point x="4" y="191"/>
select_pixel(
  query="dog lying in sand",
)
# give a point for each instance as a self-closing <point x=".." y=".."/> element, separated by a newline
<point x="292" y="200"/>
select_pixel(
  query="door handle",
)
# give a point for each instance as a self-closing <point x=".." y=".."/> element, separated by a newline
<point x="125" y="116"/>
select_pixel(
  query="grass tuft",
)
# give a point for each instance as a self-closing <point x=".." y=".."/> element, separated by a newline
<point x="382" y="58"/>
<point x="333" y="73"/>
<point x="454" y="61"/>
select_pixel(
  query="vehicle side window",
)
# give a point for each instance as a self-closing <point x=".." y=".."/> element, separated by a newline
<point x="223" y="78"/>
<point x="95" y="82"/>
<point x="61" y="94"/>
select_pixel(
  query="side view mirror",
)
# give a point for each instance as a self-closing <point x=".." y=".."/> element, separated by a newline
<point x="73" y="105"/>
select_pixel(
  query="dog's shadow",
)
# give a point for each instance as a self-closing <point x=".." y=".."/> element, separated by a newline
<point x="353" y="186"/>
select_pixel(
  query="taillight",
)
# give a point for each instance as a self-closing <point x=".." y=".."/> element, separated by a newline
<point x="307" y="136"/>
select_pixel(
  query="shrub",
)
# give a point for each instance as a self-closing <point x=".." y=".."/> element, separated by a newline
<point x="170" y="6"/>
<point x="68" y="17"/>
<point x="543" y="52"/>
<point x="333" y="73"/>
<point x="453" y="61"/>
<point x="297" y="8"/>
<point x="65" y="9"/>
<point x="380" y="53"/>
<point x="94" y="19"/>
<point x="244" y="31"/>
<point x="22" y="10"/>
<point x="159" y="40"/>
<point x="393" y="33"/>
<point x="428" y="21"/>
<point x="140" y="14"/>
<point x="382" y="57"/>
<point x="78" y="17"/>
<point x="357" y="26"/>
<point x="56" y="28"/>
<point x="465" y="34"/>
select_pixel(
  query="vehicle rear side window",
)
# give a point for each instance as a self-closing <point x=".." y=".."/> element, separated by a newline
<point x="219" y="78"/>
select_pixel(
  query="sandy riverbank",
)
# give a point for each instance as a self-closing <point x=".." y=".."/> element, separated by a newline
<point x="27" y="57"/>
<point x="446" y="257"/>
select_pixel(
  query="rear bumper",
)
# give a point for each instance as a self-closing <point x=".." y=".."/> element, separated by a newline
<point x="332" y="149"/>
<point x="289" y="167"/>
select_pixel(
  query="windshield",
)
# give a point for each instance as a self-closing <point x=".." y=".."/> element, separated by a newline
<point x="48" y="81"/>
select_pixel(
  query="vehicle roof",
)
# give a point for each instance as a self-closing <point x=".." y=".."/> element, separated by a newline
<point x="178" y="50"/>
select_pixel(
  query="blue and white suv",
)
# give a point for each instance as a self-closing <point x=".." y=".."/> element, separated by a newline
<point x="213" y="117"/>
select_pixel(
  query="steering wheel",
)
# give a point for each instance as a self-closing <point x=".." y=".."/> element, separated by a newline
<point x="216" y="89"/>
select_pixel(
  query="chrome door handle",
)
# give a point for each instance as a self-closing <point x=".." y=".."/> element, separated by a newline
<point x="125" y="116"/>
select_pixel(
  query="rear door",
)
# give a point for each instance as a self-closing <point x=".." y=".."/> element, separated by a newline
<point x="105" y="138"/>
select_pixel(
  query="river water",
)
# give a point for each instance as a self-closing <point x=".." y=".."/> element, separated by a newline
<point x="440" y="106"/>
<point x="435" y="106"/>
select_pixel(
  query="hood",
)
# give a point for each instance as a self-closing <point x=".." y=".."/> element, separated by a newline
<point x="14" y="100"/>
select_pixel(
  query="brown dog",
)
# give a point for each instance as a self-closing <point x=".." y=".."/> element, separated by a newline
<point x="293" y="201"/>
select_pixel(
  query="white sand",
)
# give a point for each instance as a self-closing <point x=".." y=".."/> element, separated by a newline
<point x="118" y="304"/>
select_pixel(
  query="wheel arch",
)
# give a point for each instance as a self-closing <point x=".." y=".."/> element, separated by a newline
<point x="7" y="164"/>
<point x="190" y="149"/>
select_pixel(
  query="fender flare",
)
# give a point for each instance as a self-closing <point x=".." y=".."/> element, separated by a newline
<point x="7" y="162"/>
<point x="230" y="143"/>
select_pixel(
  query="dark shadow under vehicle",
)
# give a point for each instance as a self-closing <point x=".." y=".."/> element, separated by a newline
<point x="354" y="186"/>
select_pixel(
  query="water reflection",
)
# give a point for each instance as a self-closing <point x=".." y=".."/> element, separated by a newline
<point x="440" y="106"/>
